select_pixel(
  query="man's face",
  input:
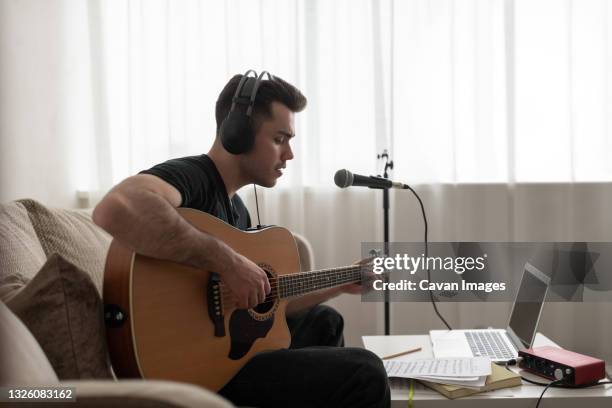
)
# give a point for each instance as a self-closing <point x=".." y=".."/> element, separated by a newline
<point x="271" y="151"/>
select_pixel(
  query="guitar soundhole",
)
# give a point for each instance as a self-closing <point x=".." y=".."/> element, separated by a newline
<point x="263" y="307"/>
<point x="265" y="310"/>
<point x="271" y="299"/>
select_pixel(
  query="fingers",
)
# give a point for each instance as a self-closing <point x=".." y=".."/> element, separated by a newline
<point x="247" y="300"/>
<point x="264" y="287"/>
<point x="249" y="283"/>
<point x="253" y="299"/>
<point x="261" y="294"/>
<point x="267" y="288"/>
<point x="242" y="302"/>
<point x="246" y="297"/>
<point x="259" y="288"/>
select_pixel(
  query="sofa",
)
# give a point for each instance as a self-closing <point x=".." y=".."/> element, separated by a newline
<point x="52" y="330"/>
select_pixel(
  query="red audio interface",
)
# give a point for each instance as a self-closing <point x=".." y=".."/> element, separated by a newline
<point x="556" y="363"/>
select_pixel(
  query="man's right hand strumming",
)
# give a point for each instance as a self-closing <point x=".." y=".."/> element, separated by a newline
<point x="248" y="282"/>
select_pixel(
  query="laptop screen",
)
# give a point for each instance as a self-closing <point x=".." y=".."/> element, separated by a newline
<point x="528" y="304"/>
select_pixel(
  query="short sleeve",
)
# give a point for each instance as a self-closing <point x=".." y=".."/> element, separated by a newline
<point x="187" y="175"/>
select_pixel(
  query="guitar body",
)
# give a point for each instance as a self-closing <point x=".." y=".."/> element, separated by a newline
<point x="174" y="322"/>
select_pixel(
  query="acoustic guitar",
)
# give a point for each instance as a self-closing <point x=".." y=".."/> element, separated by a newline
<point x="170" y="321"/>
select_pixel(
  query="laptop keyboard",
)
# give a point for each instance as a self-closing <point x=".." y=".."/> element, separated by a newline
<point x="489" y="344"/>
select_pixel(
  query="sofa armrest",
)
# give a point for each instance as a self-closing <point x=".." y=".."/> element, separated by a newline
<point x="143" y="393"/>
<point x="305" y="251"/>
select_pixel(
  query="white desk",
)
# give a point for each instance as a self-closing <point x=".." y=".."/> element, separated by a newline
<point x="523" y="396"/>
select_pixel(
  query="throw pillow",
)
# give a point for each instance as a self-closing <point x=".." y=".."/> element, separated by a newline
<point x="62" y="309"/>
<point x="21" y="254"/>
<point x="72" y="234"/>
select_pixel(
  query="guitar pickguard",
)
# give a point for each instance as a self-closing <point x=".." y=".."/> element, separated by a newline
<point x="244" y="330"/>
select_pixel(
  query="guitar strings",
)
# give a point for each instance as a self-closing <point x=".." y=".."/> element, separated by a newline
<point x="275" y="282"/>
<point x="322" y="281"/>
<point x="307" y="275"/>
<point x="334" y="270"/>
<point x="228" y="297"/>
<point x="289" y="288"/>
<point x="227" y="294"/>
<point x="294" y="281"/>
<point x="304" y="278"/>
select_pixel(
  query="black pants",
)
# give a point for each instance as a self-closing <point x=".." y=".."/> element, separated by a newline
<point x="313" y="372"/>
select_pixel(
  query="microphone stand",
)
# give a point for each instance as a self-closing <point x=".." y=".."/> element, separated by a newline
<point x="388" y="166"/>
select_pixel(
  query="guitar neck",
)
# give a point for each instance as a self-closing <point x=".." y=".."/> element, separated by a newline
<point x="305" y="282"/>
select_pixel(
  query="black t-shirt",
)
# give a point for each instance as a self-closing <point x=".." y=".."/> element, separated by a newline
<point x="202" y="188"/>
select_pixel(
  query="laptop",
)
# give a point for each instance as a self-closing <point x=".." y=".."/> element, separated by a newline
<point x="498" y="344"/>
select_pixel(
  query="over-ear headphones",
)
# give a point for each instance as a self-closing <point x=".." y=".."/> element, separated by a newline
<point x="237" y="132"/>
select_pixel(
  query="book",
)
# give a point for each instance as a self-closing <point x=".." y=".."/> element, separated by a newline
<point x="499" y="378"/>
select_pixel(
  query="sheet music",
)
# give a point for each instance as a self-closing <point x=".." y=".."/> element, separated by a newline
<point x="451" y="368"/>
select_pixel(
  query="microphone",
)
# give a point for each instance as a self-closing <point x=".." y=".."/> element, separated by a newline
<point x="345" y="178"/>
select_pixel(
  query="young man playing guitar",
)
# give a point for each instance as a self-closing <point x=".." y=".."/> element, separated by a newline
<point x="255" y="124"/>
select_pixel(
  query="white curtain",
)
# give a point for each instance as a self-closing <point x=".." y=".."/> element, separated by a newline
<point x="472" y="91"/>
<point x="165" y="63"/>
<point x="476" y="100"/>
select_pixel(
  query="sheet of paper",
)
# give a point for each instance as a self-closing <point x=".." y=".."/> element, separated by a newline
<point x="454" y="368"/>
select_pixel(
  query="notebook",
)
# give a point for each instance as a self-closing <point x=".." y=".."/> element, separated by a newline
<point x="500" y="378"/>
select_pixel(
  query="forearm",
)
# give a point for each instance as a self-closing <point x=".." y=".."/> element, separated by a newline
<point x="151" y="226"/>
<point x="310" y="300"/>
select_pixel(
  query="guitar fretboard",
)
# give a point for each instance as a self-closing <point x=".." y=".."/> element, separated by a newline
<point x="304" y="282"/>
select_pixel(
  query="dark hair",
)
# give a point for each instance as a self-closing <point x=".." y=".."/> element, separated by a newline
<point x="275" y="90"/>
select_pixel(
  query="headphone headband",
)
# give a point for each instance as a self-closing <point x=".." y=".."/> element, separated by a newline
<point x="237" y="131"/>
<point x="242" y="82"/>
<point x="254" y="91"/>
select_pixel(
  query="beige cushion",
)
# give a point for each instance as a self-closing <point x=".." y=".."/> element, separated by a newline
<point x="22" y="360"/>
<point x="305" y="251"/>
<point x="72" y="234"/>
<point x="21" y="255"/>
<point x="62" y="309"/>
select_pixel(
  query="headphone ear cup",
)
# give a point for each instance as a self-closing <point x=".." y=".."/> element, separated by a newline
<point x="237" y="133"/>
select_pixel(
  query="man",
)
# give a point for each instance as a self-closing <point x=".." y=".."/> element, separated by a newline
<point x="140" y="212"/>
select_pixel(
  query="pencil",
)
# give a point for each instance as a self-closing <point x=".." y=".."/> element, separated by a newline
<point x="402" y="353"/>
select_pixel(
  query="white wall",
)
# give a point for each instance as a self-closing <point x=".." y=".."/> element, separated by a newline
<point x="44" y="76"/>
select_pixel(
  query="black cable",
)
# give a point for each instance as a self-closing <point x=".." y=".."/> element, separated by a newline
<point x="553" y="384"/>
<point x="550" y="384"/>
<point x="431" y="296"/>
<point x="257" y="207"/>
<point x="559" y="384"/>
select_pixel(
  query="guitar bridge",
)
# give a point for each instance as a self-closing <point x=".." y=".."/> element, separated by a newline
<point x="215" y="306"/>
